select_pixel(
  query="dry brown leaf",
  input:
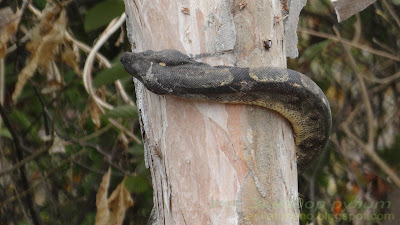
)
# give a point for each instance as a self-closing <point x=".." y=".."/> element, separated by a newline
<point x="95" y="113"/>
<point x="44" y="45"/>
<point x="52" y="86"/>
<point x="112" y="211"/>
<point x="9" y="24"/>
<point x="70" y="56"/>
<point x="119" y="201"/>
<point x="103" y="213"/>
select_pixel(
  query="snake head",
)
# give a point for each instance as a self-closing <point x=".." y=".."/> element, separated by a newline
<point x="138" y="64"/>
<point x="135" y="64"/>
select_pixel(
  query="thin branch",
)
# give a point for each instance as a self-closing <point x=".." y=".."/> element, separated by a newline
<point x="349" y="43"/>
<point x="384" y="46"/>
<point x="19" y="146"/>
<point x="392" y="12"/>
<point x="24" y="161"/>
<point x="107" y="155"/>
<point x="2" y="85"/>
<point x="49" y="173"/>
<point x="364" y="92"/>
<point x="16" y="139"/>
<point x="357" y="29"/>
<point x="45" y="113"/>
<point x="95" y="134"/>
<point x="382" y="164"/>
<point x="127" y="132"/>
<point x="373" y="156"/>
<point x="384" y="80"/>
<point x="87" y="78"/>
<point x="367" y="147"/>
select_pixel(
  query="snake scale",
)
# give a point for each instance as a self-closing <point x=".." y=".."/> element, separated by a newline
<point x="290" y="93"/>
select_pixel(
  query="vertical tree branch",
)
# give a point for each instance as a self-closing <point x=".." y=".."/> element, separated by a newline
<point x="36" y="220"/>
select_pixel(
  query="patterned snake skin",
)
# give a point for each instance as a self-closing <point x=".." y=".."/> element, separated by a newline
<point x="292" y="94"/>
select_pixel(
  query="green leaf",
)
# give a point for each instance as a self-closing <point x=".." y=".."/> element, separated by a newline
<point x="314" y="50"/>
<point x="21" y="118"/>
<point x="136" y="150"/>
<point x="123" y="111"/>
<point x="136" y="184"/>
<point x="90" y="217"/>
<point x="101" y="14"/>
<point x="41" y="4"/>
<point x="108" y="76"/>
<point x="5" y="133"/>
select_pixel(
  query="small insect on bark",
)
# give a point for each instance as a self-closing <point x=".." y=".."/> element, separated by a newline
<point x="185" y="11"/>
<point x="242" y="5"/>
<point x="267" y="44"/>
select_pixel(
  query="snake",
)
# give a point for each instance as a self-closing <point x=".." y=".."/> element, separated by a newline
<point x="290" y="93"/>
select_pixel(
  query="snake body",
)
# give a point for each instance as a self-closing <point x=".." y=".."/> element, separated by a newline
<point x="292" y="94"/>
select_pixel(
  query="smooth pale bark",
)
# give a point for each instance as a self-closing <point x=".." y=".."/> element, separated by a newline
<point x="215" y="163"/>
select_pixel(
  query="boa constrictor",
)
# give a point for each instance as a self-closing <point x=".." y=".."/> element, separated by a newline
<point x="292" y="94"/>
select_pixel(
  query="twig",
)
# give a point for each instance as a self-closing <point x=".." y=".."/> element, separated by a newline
<point x="2" y="85"/>
<point x="347" y="42"/>
<point x="24" y="161"/>
<point x="95" y="134"/>
<point x="87" y="78"/>
<point x="45" y="113"/>
<point x="16" y="139"/>
<point x="49" y="173"/>
<point x="384" y="80"/>
<point x="357" y="29"/>
<point x="100" y="150"/>
<point x="364" y="92"/>
<point x="19" y="146"/>
<point x="367" y="147"/>
<point x="392" y="12"/>
<point x="384" y="46"/>
<point x="127" y="132"/>
<point x="373" y="156"/>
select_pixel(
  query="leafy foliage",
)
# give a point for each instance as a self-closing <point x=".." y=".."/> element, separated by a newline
<point x="102" y="13"/>
<point x="63" y="138"/>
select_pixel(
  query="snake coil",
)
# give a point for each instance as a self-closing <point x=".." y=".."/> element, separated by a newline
<point x="290" y="93"/>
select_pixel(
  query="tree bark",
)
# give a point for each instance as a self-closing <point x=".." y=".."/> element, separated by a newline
<point x="215" y="163"/>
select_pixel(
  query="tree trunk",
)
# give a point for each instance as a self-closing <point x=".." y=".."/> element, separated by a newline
<point x="215" y="163"/>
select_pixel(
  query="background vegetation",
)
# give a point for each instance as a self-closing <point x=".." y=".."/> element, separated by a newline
<point x="68" y="112"/>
